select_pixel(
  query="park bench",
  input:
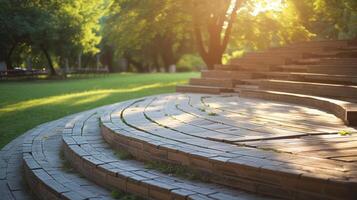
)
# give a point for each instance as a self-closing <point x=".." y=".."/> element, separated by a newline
<point x="21" y="73"/>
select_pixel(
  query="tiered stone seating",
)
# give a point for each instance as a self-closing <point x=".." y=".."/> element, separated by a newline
<point x="266" y="61"/>
<point x="321" y="74"/>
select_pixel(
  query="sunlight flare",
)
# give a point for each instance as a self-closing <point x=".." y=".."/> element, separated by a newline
<point x="268" y="5"/>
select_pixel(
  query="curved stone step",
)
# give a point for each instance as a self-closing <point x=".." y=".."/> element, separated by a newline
<point x="236" y="75"/>
<point x="215" y="82"/>
<point x="346" y="111"/>
<point x="336" y="91"/>
<point x="321" y="69"/>
<point x="258" y="170"/>
<point x="243" y="68"/>
<point x="88" y="152"/>
<point x="45" y="171"/>
<point x="12" y="183"/>
<point x="329" y="61"/>
<point x="309" y="77"/>
<point x="202" y="89"/>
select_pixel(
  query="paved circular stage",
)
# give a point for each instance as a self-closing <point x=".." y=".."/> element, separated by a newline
<point x="244" y="148"/>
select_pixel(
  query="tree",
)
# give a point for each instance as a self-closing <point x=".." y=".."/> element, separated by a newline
<point x="328" y="19"/>
<point x="55" y="28"/>
<point x="213" y="24"/>
<point x="148" y="33"/>
<point x="14" y="27"/>
<point x="264" y="28"/>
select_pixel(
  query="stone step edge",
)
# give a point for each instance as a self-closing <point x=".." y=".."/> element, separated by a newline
<point x="11" y="176"/>
<point x="101" y="172"/>
<point x="38" y="185"/>
<point x="256" y="174"/>
<point x="309" y="77"/>
<point x="346" y="111"/>
<point x="41" y="184"/>
<point x="202" y="89"/>
<point x="213" y="82"/>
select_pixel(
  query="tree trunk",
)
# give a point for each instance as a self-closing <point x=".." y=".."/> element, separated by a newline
<point x="79" y="60"/>
<point x="167" y="52"/>
<point x="139" y="66"/>
<point x="168" y="58"/>
<point x="107" y="58"/>
<point x="216" y="44"/>
<point x="50" y="63"/>
<point x="8" y="60"/>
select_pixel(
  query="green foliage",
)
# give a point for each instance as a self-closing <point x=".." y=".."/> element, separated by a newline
<point x="123" y="155"/>
<point x="55" y="28"/>
<point x="212" y="114"/>
<point x="66" y="165"/>
<point x="176" y="170"/>
<point x="329" y="19"/>
<point x="344" y="132"/>
<point x="149" y="34"/>
<point x="154" y="34"/>
<point x="116" y="194"/>
<point x="190" y="62"/>
<point x="202" y="109"/>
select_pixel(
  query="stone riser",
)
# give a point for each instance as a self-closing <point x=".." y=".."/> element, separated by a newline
<point x="147" y="152"/>
<point x="318" y="70"/>
<point x="337" y="91"/>
<point x="40" y="188"/>
<point x="225" y="83"/>
<point x="202" y="89"/>
<point x="236" y="75"/>
<point x="323" y="61"/>
<point x="118" y="182"/>
<point x="242" y="176"/>
<point x="243" y="69"/>
<point x="310" y="78"/>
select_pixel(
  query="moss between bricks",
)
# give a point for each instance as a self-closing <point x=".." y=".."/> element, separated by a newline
<point x="177" y="170"/>
<point x="66" y="165"/>
<point x="167" y="168"/>
<point x="123" y="155"/>
<point x="212" y="114"/>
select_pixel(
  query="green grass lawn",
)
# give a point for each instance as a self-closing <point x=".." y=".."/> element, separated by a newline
<point x="25" y="104"/>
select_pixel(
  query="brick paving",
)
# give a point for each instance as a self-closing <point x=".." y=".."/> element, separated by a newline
<point x="182" y="129"/>
<point x="92" y="156"/>
<point x="12" y="184"/>
<point x="45" y="171"/>
<point x="278" y="150"/>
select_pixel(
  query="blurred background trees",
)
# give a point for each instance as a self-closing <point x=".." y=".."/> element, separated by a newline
<point x="157" y="35"/>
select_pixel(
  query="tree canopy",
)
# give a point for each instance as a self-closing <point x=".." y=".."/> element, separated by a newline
<point x="56" y="28"/>
<point x="156" y="34"/>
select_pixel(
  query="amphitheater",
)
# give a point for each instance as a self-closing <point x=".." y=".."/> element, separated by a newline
<point x="277" y="124"/>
